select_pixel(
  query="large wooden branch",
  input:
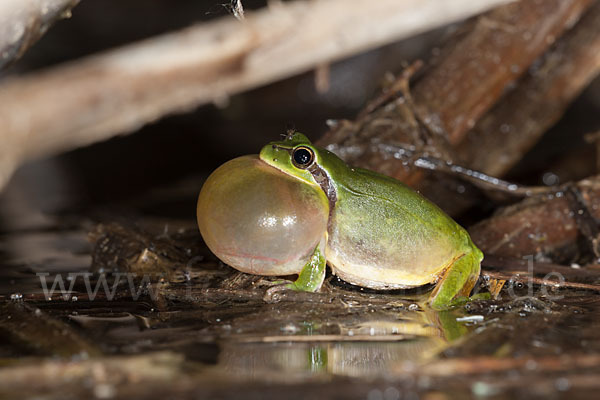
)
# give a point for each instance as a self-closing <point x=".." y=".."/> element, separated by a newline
<point x="119" y="91"/>
<point x="23" y="22"/>
<point x="524" y="115"/>
<point x="471" y="74"/>
<point x="502" y="136"/>
<point x="545" y="225"/>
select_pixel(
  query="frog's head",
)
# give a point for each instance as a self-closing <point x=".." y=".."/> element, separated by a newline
<point x="293" y="155"/>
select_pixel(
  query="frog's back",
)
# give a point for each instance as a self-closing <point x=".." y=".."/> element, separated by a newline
<point x="384" y="235"/>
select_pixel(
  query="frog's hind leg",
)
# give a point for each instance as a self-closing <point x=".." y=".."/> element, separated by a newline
<point x="458" y="280"/>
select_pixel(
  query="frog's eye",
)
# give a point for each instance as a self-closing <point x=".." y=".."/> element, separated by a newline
<point x="303" y="157"/>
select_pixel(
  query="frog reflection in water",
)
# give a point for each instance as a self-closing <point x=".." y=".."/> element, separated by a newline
<point x="296" y="207"/>
<point x="412" y="338"/>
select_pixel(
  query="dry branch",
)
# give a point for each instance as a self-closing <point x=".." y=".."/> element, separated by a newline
<point x="522" y="117"/>
<point x="23" y="22"/>
<point x="542" y="226"/>
<point x="470" y="75"/>
<point x="99" y="97"/>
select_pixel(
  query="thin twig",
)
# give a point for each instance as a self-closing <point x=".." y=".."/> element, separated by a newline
<point x="237" y="9"/>
<point x="524" y="277"/>
<point x="479" y="179"/>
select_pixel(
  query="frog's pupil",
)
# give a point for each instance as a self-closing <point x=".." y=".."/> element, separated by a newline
<point x="302" y="156"/>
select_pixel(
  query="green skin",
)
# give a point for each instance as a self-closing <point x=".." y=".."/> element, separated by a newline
<point x="381" y="234"/>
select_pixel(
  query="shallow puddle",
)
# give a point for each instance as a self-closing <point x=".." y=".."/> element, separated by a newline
<point x="200" y="328"/>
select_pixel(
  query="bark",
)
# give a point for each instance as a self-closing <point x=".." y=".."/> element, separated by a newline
<point x="525" y="114"/>
<point x="504" y="135"/>
<point x="472" y="73"/>
<point x="545" y="227"/>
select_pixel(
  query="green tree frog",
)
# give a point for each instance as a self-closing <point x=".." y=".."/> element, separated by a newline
<point x="297" y="207"/>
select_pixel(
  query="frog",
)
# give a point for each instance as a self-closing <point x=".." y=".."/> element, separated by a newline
<point x="371" y="229"/>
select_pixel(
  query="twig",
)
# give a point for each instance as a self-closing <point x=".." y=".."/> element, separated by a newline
<point x="398" y="87"/>
<point x="513" y="264"/>
<point x="525" y="278"/>
<point x="481" y="180"/>
<point x="119" y="91"/>
<point x="409" y="155"/>
<point x="238" y="9"/>
<point x="23" y="22"/>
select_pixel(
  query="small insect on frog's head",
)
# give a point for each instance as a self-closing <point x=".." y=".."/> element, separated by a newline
<point x="295" y="155"/>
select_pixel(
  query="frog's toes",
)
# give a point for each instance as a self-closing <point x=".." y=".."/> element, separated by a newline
<point x="481" y="296"/>
<point x="275" y="293"/>
<point x="462" y="300"/>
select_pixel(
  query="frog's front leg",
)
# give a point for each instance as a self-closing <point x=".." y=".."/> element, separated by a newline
<point x="312" y="275"/>
<point x="310" y="279"/>
<point x="458" y="280"/>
